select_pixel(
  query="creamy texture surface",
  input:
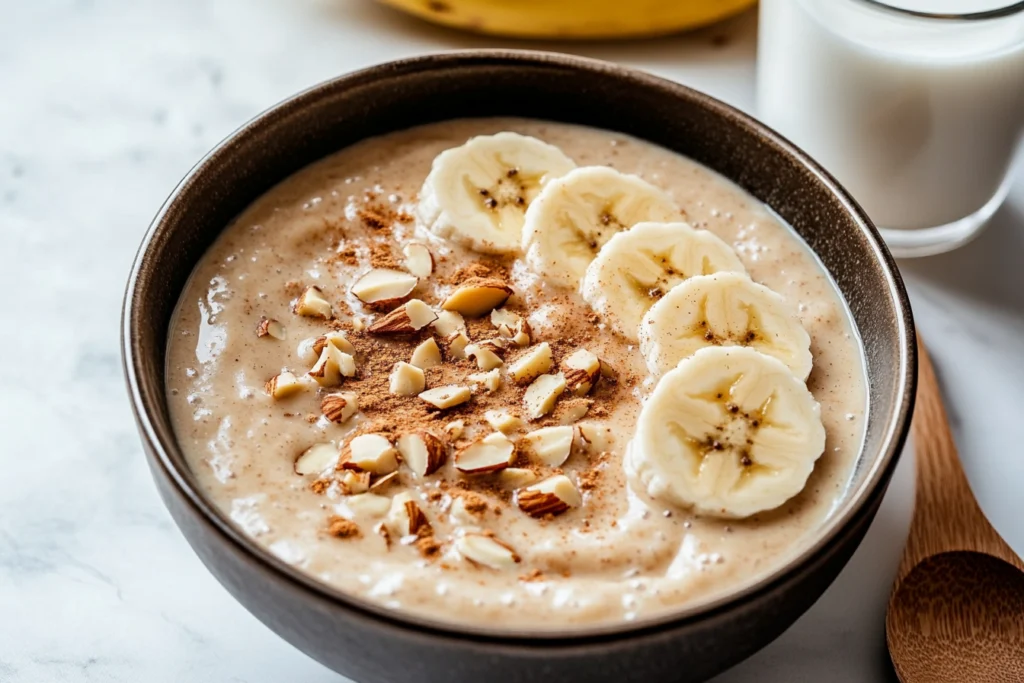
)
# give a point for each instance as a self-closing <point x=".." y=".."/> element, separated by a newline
<point x="620" y="556"/>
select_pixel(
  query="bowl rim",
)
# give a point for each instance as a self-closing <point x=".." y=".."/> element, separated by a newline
<point x="896" y="424"/>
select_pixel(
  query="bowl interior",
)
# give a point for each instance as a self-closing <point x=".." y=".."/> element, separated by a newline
<point x="554" y="87"/>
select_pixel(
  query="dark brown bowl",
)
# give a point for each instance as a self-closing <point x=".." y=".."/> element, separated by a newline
<point x="372" y="645"/>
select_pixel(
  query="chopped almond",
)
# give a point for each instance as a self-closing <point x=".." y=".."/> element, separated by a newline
<point x="581" y="369"/>
<point x="407" y="380"/>
<point x="447" y="396"/>
<point x="502" y="420"/>
<point x="426" y="355"/>
<point x="448" y="323"/>
<point x="485" y="550"/>
<point x="268" y="327"/>
<point x="383" y="287"/>
<point x="418" y="259"/>
<point x="491" y="453"/>
<point x="316" y="459"/>
<point x="370" y="453"/>
<point x="412" y="316"/>
<point x="531" y="363"/>
<point x="490" y="380"/>
<point x="478" y="297"/>
<point x="424" y="451"/>
<point x="486" y="358"/>
<point x="541" y="395"/>
<point x="455" y="345"/>
<point x="313" y="304"/>
<point x="283" y="385"/>
<point x="553" y="496"/>
<point x="338" y="408"/>
<point x="549" y="445"/>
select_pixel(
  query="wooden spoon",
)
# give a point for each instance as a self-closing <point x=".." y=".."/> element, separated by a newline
<point x="956" y="614"/>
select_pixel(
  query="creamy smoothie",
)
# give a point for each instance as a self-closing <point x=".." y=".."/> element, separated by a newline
<point x="380" y="432"/>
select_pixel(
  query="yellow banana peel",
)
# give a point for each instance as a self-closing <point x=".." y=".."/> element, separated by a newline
<point x="572" y="19"/>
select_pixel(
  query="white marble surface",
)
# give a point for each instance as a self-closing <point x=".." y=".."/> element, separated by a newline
<point x="104" y="104"/>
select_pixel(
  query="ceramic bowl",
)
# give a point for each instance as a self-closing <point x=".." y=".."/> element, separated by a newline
<point x="372" y="645"/>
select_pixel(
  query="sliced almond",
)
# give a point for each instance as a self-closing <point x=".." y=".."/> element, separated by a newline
<point x="595" y="436"/>
<point x="358" y="324"/>
<point x="522" y="333"/>
<point x="424" y="451"/>
<point x="447" y="396"/>
<point x="455" y="428"/>
<point x="502" y="420"/>
<point x="335" y="339"/>
<point x="531" y="363"/>
<point x="412" y="316"/>
<point x="485" y="550"/>
<point x="405" y="518"/>
<point x="283" y="385"/>
<point x="485" y="357"/>
<point x="517" y="477"/>
<point x="490" y="380"/>
<point x="478" y="297"/>
<point x="316" y="459"/>
<point x="571" y="411"/>
<point x="449" y="322"/>
<point x="541" y="395"/>
<point x="426" y="355"/>
<point x="461" y="515"/>
<point x="491" y="453"/>
<point x="370" y="453"/>
<point x="268" y="327"/>
<point x="338" y="408"/>
<point x="353" y="482"/>
<point x="369" y="505"/>
<point x="549" y="445"/>
<point x="407" y="380"/>
<point x="581" y="369"/>
<point x="384" y="287"/>
<point x="418" y="259"/>
<point x="380" y="483"/>
<point x="553" y="496"/>
<point x="455" y="345"/>
<point x="313" y="304"/>
<point x="333" y="365"/>
<point x="505" y="320"/>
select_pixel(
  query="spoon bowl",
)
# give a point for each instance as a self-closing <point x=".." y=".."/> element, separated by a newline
<point x="956" y="613"/>
<point x="959" y="616"/>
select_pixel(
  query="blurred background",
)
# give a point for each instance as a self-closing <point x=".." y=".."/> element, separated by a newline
<point x="104" y="106"/>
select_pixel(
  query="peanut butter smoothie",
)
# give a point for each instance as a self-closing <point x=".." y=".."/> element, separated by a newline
<point x="517" y="373"/>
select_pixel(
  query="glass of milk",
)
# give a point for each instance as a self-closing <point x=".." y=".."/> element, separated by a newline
<point x="916" y="106"/>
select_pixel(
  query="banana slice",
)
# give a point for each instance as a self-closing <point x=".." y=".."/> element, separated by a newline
<point x="730" y="432"/>
<point x="638" y="267"/>
<point x="723" y="309"/>
<point x="476" y="195"/>
<point x="575" y="215"/>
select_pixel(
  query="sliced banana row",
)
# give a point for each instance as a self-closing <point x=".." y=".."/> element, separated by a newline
<point x="730" y="432"/>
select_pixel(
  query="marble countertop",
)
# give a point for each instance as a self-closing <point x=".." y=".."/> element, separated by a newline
<point x="104" y="105"/>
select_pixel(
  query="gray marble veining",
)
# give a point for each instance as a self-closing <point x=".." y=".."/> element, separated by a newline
<point x="104" y="105"/>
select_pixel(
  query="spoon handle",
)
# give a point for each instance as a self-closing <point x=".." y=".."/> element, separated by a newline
<point x="946" y="514"/>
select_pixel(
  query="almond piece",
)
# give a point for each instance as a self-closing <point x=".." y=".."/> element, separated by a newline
<point x="407" y="380"/>
<point x="412" y="316"/>
<point x="505" y="320"/>
<point x="418" y="259"/>
<point x="581" y="369"/>
<point x="485" y="357"/>
<point x="405" y="518"/>
<point x="531" y="363"/>
<point x="338" y="408"/>
<point x="540" y="397"/>
<point x="482" y="549"/>
<point x="353" y="482"/>
<point x="447" y="396"/>
<point x="502" y="420"/>
<point x="313" y="304"/>
<point x="553" y="496"/>
<point x="573" y="410"/>
<point x="489" y="380"/>
<point x="383" y="287"/>
<point x="358" y="324"/>
<point x="455" y="345"/>
<point x="491" y="453"/>
<point x="268" y="327"/>
<point x="549" y="445"/>
<point x="522" y="333"/>
<point x="595" y="436"/>
<point x="455" y="428"/>
<point x="517" y="477"/>
<point x="368" y="505"/>
<point x="426" y="355"/>
<point x="379" y="483"/>
<point x="424" y="451"/>
<point x="448" y="323"/>
<point x="335" y="339"/>
<point x="283" y="385"/>
<point x="478" y="297"/>
<point x="333" y="365"/>
<point x="369" y="453"/>
<point x="316" y="459"/>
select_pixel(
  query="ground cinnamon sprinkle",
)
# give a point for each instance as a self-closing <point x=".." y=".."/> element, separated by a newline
<point x="375" y="217"/>
<point x="347" y="255"/>
<point x="532" y="575"/>
<point x="339" y="527"/>
<point x="381" y="256"/>
<point x="428" y="546"/>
